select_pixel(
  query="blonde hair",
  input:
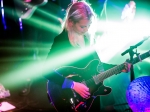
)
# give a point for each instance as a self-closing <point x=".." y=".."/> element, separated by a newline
<point x="76" y="12"/>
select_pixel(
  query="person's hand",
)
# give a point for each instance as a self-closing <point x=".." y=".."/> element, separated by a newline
<point x="127" y="67"/>
<point x="81" y="89"/>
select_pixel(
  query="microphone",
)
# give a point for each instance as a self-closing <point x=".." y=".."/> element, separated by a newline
<point x="135" y="46"/>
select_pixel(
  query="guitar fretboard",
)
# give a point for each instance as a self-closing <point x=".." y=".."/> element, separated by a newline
<point x="119" y="68"/>
<point x="110" y="72"/>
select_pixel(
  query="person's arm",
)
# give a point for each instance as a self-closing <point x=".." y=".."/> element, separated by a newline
<point x="58" y="78"/>
<point x="109" y="66"/>
<point x="80" y="88"/>
<point x="52" y="63"/>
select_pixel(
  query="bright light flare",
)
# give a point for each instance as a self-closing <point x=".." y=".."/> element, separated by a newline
<point x="33" y="69"/>
<point x="118" y="37"/>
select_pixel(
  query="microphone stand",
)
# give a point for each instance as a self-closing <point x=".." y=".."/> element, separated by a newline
<point x="131" y="53"/>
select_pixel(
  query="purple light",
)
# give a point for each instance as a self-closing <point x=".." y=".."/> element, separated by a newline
<point x="3" y="18"/>
<point x="1" y="3"/>
<point x="20" y="23"/>
<point x="138" y="94"/>
<point x="2" y="11"/>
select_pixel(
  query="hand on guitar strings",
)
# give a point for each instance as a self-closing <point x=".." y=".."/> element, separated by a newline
<point x="81" y="89"/>
<point x="127" y="67"/>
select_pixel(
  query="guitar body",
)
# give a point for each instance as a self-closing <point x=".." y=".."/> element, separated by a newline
<point x="68" y="98"/>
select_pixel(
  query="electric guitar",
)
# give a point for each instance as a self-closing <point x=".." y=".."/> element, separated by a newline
<point x="73" y="101"/>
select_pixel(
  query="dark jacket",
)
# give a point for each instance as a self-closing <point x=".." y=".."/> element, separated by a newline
<point x="62" y="53"/>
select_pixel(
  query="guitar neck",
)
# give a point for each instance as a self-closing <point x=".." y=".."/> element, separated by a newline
<point x="141" y="57"/>
<point x="117" y="69"/>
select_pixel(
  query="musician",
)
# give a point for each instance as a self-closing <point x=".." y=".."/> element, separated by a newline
<point x="129" y="11"/>
<point x="73" y="48"/>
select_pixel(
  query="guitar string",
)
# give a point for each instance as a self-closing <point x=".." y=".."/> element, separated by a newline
<point x="105" y="74"/>
<point x="119" y="67"/>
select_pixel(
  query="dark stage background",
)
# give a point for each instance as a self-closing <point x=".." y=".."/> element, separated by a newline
<point x="22" y="48"/>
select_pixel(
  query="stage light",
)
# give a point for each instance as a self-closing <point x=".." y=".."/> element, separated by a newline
<point x="3" y="18"/>
<point x="138" y="94"/>
<point x="5" y="106"/>
<point x="20" y="23"/>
